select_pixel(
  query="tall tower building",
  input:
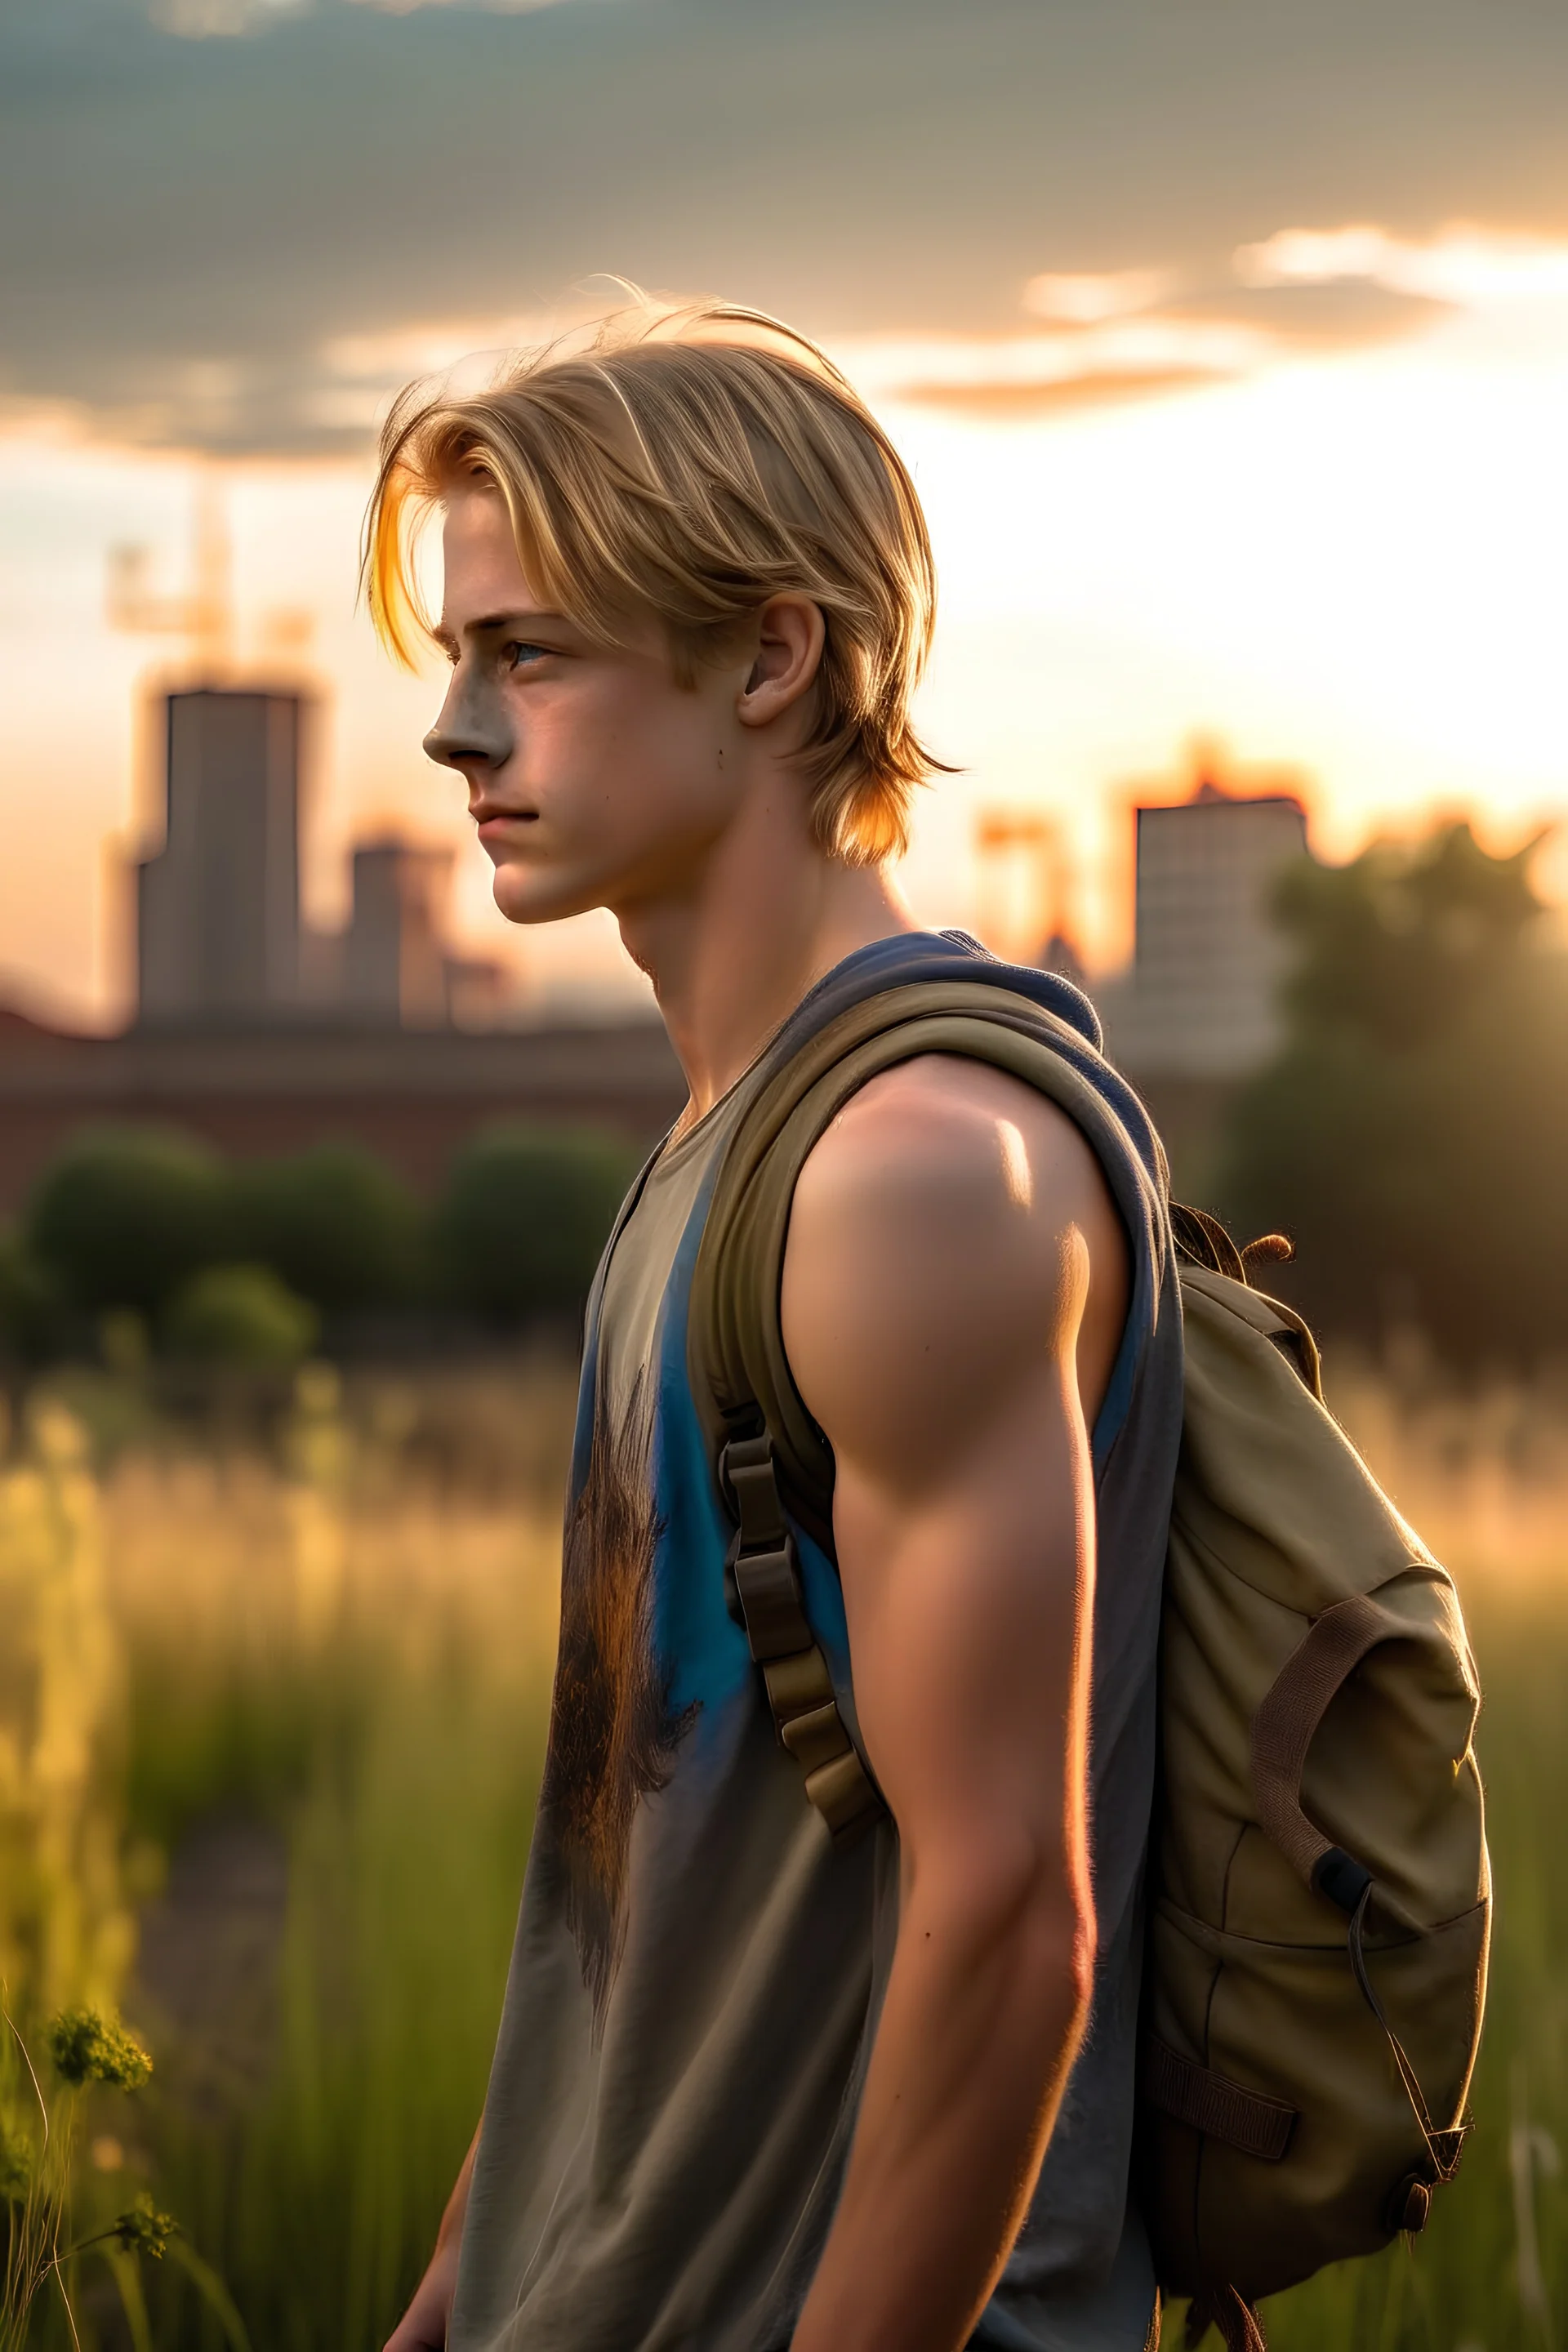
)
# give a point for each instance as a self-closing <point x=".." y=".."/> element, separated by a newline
<point x="218" y="907"/>
<point x="1208" y="955"/>
<point x="394" y="964"/>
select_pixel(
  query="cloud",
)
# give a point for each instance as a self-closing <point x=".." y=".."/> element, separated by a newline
<point x="291" y="175"/>
<point x="1341" y="313"/>
<point x="1471" y="267"/>
<point x="395" y="355"/>
<point x="1003" y="402"/>
<point x="200" y="20"/>
<point x="1082" y="299"/>
<point x="1037" y="374"/>
<point x="1139" y="333"/>
<point x="495" y="7"/>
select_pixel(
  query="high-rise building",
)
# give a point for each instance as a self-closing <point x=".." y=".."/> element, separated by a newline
<point x="217" y="907"/>
<point x="394" y="957"/>
<point x="1208" y="955"/>
<point x="220" y="941"/>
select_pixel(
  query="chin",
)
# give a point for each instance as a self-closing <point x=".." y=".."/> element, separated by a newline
<point x="524" y="895"/>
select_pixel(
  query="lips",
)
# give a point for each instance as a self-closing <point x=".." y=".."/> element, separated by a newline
<point x="489" y="819"/>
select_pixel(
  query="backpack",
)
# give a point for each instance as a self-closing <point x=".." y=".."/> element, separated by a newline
<point x="1318" y="1895"/>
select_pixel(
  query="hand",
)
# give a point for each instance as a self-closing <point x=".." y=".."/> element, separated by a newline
<point x="423" y="2327"/>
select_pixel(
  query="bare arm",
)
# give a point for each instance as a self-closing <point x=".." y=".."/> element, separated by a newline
<point x="423" y="2326"/>
<point x="955" y="1287"/>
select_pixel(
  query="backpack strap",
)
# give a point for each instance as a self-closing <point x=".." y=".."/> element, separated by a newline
<point x="764" y="1572"/>
<point x="1283" y="1729"/>
<point x="771" y="1463"/>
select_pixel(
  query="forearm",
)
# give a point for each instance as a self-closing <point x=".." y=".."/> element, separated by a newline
<point x="984" y="2011"/>
<point x="423" y="2327"/>
<point x="452" y="2219"/>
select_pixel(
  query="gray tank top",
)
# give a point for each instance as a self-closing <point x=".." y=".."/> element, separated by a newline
<point x="697" y="1971"/>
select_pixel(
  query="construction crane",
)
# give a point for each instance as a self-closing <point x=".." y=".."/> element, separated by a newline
<point x="1018" y="854"/>
<point x="204" y="613"/>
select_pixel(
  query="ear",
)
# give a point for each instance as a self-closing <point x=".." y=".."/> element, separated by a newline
<point x="791" y="634"/>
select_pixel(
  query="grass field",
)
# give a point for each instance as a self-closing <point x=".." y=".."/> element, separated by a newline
<point x="271" y="1718"/>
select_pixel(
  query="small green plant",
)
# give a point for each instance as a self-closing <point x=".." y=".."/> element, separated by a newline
<point x="38" y="2183"/>
<point x="86" y="2048"/>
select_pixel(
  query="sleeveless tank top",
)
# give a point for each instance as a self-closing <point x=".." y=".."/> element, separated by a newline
<point x="697" y="1972"/>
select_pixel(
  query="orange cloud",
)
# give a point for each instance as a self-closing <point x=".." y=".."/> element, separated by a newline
<point x="1003" y="402"/>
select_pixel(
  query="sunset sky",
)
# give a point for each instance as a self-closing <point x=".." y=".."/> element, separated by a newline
<point x="1228" y="343"/>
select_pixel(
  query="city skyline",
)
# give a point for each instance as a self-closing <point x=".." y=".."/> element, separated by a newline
<point x="1231" y="375"/>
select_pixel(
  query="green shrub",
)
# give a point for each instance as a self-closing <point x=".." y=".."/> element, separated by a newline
<point x="240" y="1315"/>
<point x="29" y="1301"/>
<point x="122" y="1216"/>
<point x="526" y="1212"/>
<point x="1411" y="1132"/>
<point x="335" y="1224"/>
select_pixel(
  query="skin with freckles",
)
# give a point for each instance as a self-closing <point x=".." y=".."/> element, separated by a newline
<point x="955" y="1287"/>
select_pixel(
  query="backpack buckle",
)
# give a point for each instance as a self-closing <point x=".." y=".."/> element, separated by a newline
<point x="762" y="1572"/>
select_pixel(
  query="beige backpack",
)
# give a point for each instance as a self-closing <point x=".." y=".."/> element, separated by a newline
<point x="1319" y="1897"/>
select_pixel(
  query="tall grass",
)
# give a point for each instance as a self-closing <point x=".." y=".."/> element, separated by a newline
<point x="338" y="1656"/>
<point x="269" y="1746"/>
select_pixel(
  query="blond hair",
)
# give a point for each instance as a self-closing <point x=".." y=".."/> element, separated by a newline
<point x="693" y="462"/>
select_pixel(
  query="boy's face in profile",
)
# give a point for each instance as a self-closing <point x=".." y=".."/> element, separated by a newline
<point x="595" y="779"/>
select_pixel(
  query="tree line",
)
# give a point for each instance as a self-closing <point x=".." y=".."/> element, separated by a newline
<point x="1411" y="1134"/>
<point x="147" y="1230"/>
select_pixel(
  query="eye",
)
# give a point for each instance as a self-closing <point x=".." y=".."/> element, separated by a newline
<point x="522" y="655"/>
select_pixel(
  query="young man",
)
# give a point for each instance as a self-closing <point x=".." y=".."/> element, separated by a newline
<point x="754" y="2089"/>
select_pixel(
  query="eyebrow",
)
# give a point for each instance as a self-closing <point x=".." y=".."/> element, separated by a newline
<point x="493" y="624"/>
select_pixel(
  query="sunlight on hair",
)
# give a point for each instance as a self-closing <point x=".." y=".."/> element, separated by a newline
<point x="690" y="461"/>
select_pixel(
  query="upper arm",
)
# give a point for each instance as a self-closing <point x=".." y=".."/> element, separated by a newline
<point x="955" y="1286"/>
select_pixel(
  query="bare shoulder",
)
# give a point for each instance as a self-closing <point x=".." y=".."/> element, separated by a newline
<point x="952" y="1132"/>
<point x="951" y="1230"/>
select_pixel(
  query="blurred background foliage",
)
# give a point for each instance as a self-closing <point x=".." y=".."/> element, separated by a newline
<point x="1411" y="1133"/>
<point x="1407" y="1136"/>
<point x="524" y="1218"/>
<point x="142" y="1237"/>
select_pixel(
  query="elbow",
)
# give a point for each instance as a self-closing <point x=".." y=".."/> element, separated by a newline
<point x="1022" y="1896"/>
<point x="1085" y="1957"/>
<point x="1070" y="1931"/>
<point x="1066" y="1947"/>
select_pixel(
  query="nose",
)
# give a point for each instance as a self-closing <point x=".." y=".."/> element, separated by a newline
<point x="474" y="729"/>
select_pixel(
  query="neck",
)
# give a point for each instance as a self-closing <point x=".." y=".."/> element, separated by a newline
<point x="759" y="918"/>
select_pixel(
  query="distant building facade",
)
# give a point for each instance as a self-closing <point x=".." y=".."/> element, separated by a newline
<point x="217" y="907"/>
<point x="396" y="967"/>
<point x="220" y="942"/>
<point x="412" y="1095"/>
<point x="1200" y="1000"/>
<point x="393" y="959"/>
<point x="263" y="1035"/>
